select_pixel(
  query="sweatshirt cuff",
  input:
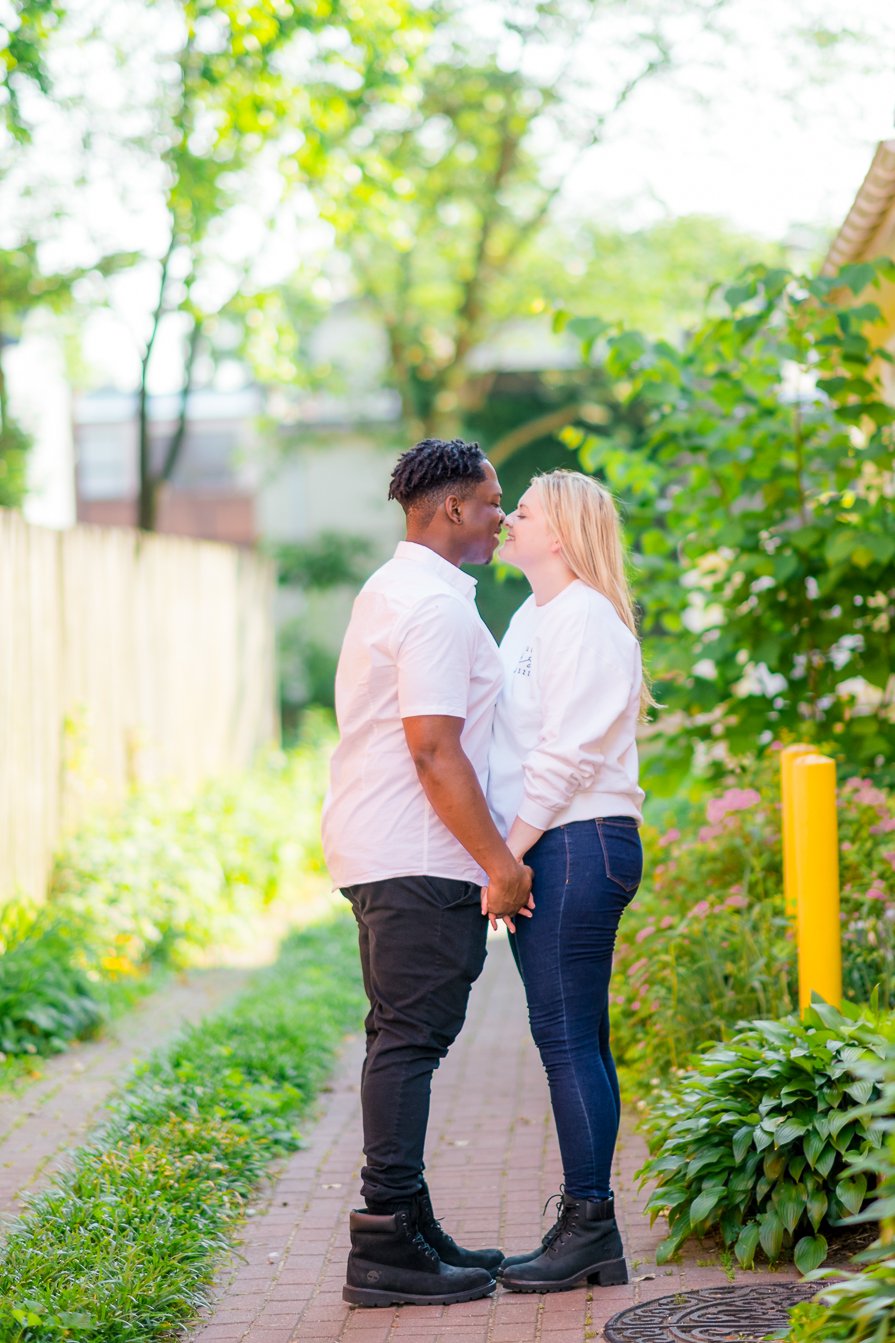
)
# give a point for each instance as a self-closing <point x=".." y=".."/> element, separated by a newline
<point x="536" y="814"/>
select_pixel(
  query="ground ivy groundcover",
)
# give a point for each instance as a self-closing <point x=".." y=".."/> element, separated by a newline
<point x="122" y="1249"/>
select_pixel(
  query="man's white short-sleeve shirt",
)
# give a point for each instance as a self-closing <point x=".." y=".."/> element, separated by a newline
<point x="415" y="645"/>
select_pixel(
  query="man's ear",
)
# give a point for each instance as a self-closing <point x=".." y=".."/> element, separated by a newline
<point x="453" y="507"/>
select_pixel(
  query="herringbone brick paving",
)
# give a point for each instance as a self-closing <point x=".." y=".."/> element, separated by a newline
<point x="492" y="1165"/>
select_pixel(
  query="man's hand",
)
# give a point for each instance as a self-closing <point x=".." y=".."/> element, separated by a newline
<point x="507" y="894"/>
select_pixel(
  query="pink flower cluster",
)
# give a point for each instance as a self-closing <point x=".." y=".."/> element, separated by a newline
<point x="668" y="838"/>
<point x="736" y="900"/>
<point x="866" y="793"/>
<point x="735" y="799"/>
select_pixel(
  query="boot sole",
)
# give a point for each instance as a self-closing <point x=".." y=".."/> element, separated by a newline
<point x="611" y="1273"/>
<point x="369" y="1296"/>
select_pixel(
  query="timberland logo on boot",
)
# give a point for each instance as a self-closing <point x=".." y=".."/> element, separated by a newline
<point x="373" y="1275"/>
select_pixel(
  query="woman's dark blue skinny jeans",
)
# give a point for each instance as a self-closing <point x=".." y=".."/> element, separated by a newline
<point x="585" y="873"/>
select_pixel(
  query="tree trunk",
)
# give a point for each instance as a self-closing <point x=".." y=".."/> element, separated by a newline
<point x="147" y="499"/>
<point x="523" y="434"/>
<point x="148" y="504"/>
<point x="176" y="442"/>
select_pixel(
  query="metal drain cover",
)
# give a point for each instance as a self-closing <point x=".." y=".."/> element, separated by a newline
<point x="710" y="1315"/>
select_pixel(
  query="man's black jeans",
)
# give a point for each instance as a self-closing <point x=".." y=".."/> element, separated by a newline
<point x="422" y="945"/>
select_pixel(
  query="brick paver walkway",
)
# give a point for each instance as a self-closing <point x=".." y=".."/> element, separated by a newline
<point x="492" y="1164"/>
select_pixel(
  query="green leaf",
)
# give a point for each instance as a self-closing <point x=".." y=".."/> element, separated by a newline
<point x="671" y="1244"/>
<point x="738" y="294"/>
<point x="824" y="1163"/>
<point x="624" y="350"/>
<point x="705" y="1203"/>
<point x="813" y="1146"/>
<point x="742" y="1141"/>
<point x="851" y="1193"/>
<point x="788" y="1130"/>
<point x="817" y="1207"/>
<point x="771" y="1234"/>
<point x="790" y="1204"/>
<point x="762" y="1139"/>
<point x="810" y="1252"/>
<point x="747" y="1244"/>
<point x="774" y="1164"/>
<point x="856" y="276"/>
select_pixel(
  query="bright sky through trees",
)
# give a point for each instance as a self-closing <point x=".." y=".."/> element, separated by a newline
<point x="757" y="121"/>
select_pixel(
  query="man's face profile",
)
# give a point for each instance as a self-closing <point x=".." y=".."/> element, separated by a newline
<point x="483" y="518"/>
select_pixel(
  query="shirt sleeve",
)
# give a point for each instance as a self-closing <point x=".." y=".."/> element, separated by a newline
<point x="434" y="655"/>
<point x="585" y="687"/>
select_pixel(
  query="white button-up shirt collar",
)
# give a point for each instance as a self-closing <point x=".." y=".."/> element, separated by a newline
<point x="412" y="550"/>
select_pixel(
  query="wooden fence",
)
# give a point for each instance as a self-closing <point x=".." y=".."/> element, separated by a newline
<point x="124" y="659"/>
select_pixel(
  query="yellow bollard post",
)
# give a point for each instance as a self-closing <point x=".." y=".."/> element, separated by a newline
<point x="788" y="757"/>
<point x="816" y="852"/>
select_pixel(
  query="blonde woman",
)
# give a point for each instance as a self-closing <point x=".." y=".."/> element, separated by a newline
<point x="563" y="788"/>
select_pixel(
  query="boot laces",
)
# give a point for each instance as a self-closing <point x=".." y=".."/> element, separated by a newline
<point x="431" y="1223"/>
<point x="564" y="1215"/>
<point x="419" y="1240"/>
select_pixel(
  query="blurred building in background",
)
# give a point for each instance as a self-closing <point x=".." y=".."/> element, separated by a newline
<point x="867" y="232"/>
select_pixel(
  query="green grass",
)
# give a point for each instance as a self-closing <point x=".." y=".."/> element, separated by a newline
<point x="123" y="1247"/>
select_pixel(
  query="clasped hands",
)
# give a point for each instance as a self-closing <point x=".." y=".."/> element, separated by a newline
<point x="508" y="895"/>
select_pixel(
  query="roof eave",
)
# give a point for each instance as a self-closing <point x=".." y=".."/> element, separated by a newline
<point x="867" y="226"/>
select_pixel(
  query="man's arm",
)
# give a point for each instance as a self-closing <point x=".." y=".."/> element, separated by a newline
<point x="452" y="787"/>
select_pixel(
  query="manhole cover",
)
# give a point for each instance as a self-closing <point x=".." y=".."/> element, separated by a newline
<point x="709" y="1315"/>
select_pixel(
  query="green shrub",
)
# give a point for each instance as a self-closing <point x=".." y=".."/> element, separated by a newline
<point x="44" y="997"/>
<point x="861" y="1307"/>
<point x="757" y="502"/>
<point x="707" y="942"/>
<point x="152" y="886"/>
<point x="123" y="1246"/>
<point x="760" y="1138"/>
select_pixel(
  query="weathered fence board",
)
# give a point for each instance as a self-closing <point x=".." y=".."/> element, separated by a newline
<point x="124" y="659"/>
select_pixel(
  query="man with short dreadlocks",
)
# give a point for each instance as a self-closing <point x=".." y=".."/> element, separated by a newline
<point x="410" y="841"/>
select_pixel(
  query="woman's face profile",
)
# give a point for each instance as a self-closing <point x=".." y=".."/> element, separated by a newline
<point x="529" y="538"/>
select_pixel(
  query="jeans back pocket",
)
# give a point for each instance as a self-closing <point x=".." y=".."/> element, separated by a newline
<point x="622" y="853"/>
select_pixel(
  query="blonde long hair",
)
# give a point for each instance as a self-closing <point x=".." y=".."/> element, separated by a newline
<point x="582" y="514"/>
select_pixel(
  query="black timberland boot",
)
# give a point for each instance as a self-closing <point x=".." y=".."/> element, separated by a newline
<point x="549" y="1236"/>
<point x="583" y="1246"/>
<point x="390" y="1262"/>
<point x="447" y="1249"/>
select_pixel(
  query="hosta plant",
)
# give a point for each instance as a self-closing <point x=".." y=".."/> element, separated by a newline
<point x="860" y="1308"/>
<point x="757" y="1140"/>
